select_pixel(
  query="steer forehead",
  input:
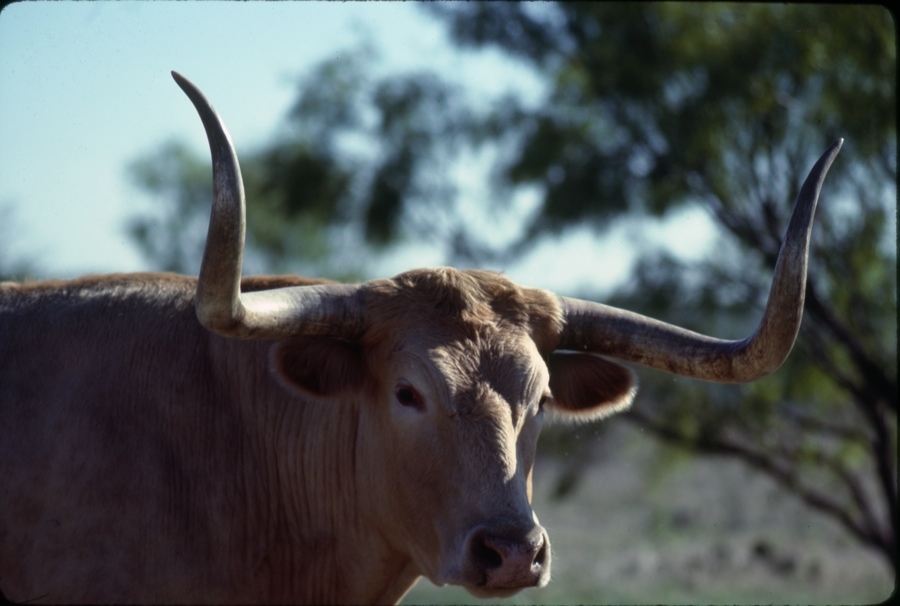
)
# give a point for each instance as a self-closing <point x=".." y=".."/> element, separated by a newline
<point x="475" y="334"/>
<point x="500" y="366"/>
<point x="445" y="304"/>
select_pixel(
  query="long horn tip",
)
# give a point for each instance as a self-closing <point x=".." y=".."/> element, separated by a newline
<point x="836" y="146"/>
<point x="215" y="130"/>
<point x="186" y="85"/>
<point x="813" y="183"/>
<point x="832" y="152"/>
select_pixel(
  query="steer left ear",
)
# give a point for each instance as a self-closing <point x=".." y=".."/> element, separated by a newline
<point x="587" y="387"/>
<point x="318" y="366"/>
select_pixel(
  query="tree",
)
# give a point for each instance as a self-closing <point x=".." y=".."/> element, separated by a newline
<point x="654" y="108"/>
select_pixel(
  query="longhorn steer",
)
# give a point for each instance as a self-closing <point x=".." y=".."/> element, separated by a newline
<point x="307" y="441"/>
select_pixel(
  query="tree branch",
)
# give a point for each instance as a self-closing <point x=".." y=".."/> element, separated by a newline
<point x="768" y="465"/>
<point x="817" y="424"/>
<point x="879" y="384"/>
<point x="857" y="494"/>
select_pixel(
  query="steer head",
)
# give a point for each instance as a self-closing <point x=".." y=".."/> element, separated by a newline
<point x="457" y="369"/>
<point x="463" y="368"/>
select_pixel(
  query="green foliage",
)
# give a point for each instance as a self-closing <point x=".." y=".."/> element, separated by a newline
<point x="656" y="105"/>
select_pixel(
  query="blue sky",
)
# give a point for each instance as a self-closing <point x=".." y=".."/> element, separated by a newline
<point x="85" y="89"/>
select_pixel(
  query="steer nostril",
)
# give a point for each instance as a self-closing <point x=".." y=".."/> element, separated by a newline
<point x="490" y="552"/>
<point x="486" y="556"/>
<point x="541" y="556"/>
<point x="507" y="559"/>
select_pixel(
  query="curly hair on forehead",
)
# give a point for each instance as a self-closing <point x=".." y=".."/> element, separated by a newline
<point x="467" y="300"/>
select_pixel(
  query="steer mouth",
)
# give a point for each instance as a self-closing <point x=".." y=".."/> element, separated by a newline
<point x="498" y="564"/>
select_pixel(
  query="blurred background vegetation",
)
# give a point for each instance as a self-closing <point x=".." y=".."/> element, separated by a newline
<point x="653" y="110"/>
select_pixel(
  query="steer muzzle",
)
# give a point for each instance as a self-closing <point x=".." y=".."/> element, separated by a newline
<point x="500" y="563"/>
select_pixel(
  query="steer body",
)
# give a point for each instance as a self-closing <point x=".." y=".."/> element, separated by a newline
<point x="152" y="453"/>
<point x="175" y="439"/>
<point x="144" y="457"/>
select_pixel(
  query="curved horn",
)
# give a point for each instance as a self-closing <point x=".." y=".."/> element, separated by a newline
<point x="635" y="338"/>
<point x="220" y="306"/>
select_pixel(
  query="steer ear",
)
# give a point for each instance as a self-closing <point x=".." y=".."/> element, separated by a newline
<point x="318" y="366"/>
<point x="587" y="387"/>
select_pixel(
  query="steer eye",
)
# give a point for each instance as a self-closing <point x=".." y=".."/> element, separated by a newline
<point x="544" y="399"/>
<point x="407" y="395"/>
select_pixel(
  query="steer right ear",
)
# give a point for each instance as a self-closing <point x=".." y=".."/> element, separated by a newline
<point x="586" y="387"/>
<point x="318" y="366"/>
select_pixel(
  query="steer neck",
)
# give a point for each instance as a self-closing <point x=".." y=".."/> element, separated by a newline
<point x="307" y="523"/>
